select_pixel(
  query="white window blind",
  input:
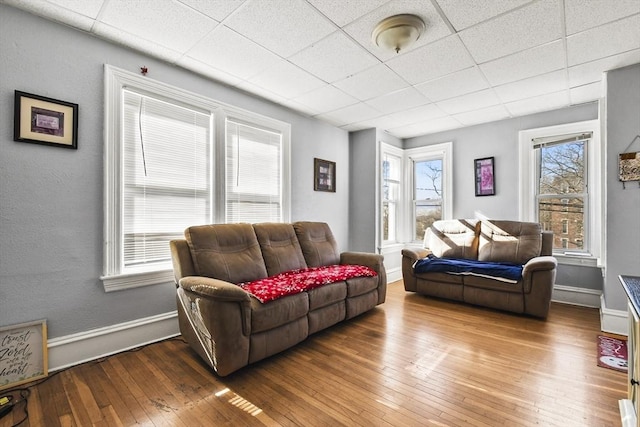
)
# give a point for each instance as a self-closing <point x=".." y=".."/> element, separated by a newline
<point x="166" y="176"/>
<point x="254" y="173"/>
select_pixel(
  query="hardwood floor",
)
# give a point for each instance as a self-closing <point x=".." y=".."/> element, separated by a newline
<point x="414" y="361"/>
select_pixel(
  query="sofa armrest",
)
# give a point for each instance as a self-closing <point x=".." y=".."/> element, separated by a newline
<point x="214" y="288"/>
<point x="539" y="275"/>
<point x="373" y="261"/>
<point x="540" y="263"/>
<point x="415" y="253"/>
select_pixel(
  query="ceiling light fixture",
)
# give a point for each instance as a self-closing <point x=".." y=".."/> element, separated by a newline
<point x="398" y="32"/>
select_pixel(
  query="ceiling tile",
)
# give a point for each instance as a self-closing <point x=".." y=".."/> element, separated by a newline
<point x="586" y="93"/>
<point x="370" y="83"/>
<point x="253" y="89"/>
<point x="286" y="80"/>
<point x="78" y="19"/>
<point x="208" y="71"/>
<point x="164" y="23"/>
<point x="552" y="101"/>
<point x="432" y="61"/>
<point x="454" y="84"/>
<point x="524" y="28"/>
<point x="216" y="9"/>
<point x="344" y="11"/>
<point x="533" y="86"/>
<point x="362" y="28"/>
<point x="465" y="13"/>
<point x="422" y="128"/>
<point x="276" y="24"/>
<point x="397" y="101"/>
<point x="528" y="63"/>
<point x="351" y="114"/>
<point x="483" y="115"/>
<point x="606" y="40"/>
<point x="403" y="118"/>
<point x="89" y="8"/>
<point x="592" y="71"/>
<point x="227" y="50"/>
<point x="582" y="15"/>
<point x="325" y="99"/>
<point x="471" y="101"/>
<point x="334" y="58"/>
<point x="124" y="38"/>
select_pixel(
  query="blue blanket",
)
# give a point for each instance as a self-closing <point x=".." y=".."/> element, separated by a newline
<point x="498" y="270"/>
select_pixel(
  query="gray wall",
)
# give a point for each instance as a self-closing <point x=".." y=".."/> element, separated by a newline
<point x="51" y="199"/>
<point x="500" y="140"/>
<point x="623" y="206"/>
<point x="363" y="223"/>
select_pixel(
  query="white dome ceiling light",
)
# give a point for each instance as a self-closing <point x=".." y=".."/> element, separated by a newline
<point x="398" y="32"/>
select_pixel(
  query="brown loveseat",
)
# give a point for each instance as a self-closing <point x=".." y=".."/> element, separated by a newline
<point x="516" y="242"/>
<point x="229" y="327"/>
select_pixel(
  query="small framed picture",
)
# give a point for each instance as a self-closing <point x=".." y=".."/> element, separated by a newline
<point x="484" y="173"/>
<point x="45" y="121"/>
<point x="324" y="175"/>
<point x="23" y="353"/>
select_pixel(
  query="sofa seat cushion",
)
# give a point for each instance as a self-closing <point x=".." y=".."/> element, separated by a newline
<point x="265" y="317"/>
<point x="507" y="272"/>
<point x="361" y="285"/>
<point x="296" y="281"/>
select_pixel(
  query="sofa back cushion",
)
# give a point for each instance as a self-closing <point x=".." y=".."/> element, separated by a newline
<point x="456" y="238"/>
<point x="227" y="252"/>
<point x="318" y="245"/>
<point x="280" y="248"/>
<point x="509" y="241"/>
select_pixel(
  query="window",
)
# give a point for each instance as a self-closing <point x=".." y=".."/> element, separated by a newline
<point x="391" y="176"/>
<point x="427" y="195"/>
<point x="175" y="159"/>
<point x="415" y="191"/>
<point x="253" y="174"/>
<point x="561" y="187"/>
<point x="562" y="191"/>
<point x="166" y="176"/>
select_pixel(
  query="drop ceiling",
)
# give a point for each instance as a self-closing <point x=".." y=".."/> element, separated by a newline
<point x="478" y="60"/>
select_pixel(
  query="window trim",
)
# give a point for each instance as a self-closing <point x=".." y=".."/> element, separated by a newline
<point x="594" y="236"/>
<point x="115" y="80"/>
<point x="406" y="213"/>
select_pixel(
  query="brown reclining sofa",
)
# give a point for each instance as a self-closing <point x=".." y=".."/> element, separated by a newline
<point x="523" y="243"/>
<point x="229" y="327"/>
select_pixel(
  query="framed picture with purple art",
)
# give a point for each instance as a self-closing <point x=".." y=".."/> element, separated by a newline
<point x="46" y="121"/>
<point x="484" y="172"/>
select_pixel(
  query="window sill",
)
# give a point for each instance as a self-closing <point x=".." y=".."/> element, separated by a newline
<point x="580" y="260"/>
<point x="135" y="280"/>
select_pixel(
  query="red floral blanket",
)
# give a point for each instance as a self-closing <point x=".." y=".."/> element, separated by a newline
<point x="296" y="281"/>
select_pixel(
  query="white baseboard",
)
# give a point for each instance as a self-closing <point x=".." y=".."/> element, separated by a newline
<point x="576" y="296"/>
<point x="394" y="274"/>
<point x="91" y="345"/>
<point x="613" y="321"/>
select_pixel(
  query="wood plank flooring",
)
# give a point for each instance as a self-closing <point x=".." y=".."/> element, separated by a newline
<point x="414" y="361"/>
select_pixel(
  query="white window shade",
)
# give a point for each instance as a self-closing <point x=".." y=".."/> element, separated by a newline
<point x="253" y="173"/>
<point x="166" y="176"/>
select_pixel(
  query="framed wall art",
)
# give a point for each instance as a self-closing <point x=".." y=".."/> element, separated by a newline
<point x="324" y="175"/>
<point x="23" y="353"/>
<point x="484" y="173"/>
<point x="43" y="120"/>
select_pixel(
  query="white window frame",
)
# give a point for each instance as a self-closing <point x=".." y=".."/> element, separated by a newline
<point x="594" y="212"/>
<point x="386" y="149"/>
<point x="115" y="276"/>
<point x="406" y="213"/>
<point x="431" y="152"/>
